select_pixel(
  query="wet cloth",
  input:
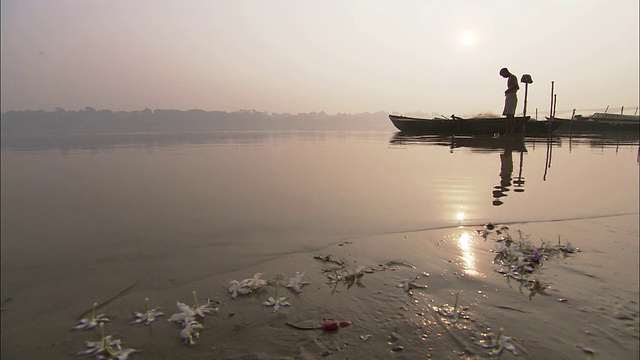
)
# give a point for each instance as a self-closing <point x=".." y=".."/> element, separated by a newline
<point x="510" y="103"/>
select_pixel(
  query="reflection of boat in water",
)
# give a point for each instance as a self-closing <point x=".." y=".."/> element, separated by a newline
<point x="505" y="146"/>
<point x="475" y="143"/>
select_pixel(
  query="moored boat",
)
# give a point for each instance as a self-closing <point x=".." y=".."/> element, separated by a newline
<point x="615" y="118"/>
<point x="598" y="123"/>
<point x="456" y="125"/>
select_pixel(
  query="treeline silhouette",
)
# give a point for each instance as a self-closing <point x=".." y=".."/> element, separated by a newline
<point x="92" y="121"/>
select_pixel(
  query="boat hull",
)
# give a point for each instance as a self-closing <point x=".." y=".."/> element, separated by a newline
<point x="594" y="126"/>
<point x="473" y="126"/>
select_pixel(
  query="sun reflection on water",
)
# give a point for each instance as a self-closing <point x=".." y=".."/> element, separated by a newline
<point x="465" y="243"/>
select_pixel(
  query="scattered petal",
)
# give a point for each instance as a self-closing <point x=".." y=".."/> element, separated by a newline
<point x="345" y="323"/>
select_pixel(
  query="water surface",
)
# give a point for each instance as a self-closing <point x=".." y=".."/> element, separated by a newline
<point x="229" y="198"/>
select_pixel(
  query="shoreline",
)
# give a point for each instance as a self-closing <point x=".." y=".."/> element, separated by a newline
<point x="598" y="316"/>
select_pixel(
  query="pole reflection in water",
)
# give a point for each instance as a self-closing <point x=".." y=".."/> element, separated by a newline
<point x="465" y="243"/>
<point x="518" y="183"/>
<point x="547" y="162"/>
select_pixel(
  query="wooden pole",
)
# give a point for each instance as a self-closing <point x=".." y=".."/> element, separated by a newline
<point x="555" y="104"/>
<point x="526" y="90"/>
<point x="551" y="110"/>
<point x="573" y="115"/>
<point x="622" y="110"/>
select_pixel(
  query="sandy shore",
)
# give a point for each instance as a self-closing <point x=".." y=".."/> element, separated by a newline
<point x="590" y="309"/>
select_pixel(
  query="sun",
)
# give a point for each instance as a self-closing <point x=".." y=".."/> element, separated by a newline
<point x="467" y="39"/>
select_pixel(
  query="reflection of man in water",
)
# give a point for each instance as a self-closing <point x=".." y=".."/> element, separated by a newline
<point x="510" y="99"/>
<point x="506" y="170"/>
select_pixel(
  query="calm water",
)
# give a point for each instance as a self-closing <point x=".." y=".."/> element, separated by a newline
<point x="69" y="202"/>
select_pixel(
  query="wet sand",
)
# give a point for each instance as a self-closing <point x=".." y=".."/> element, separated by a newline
<point x="590" y="310"/>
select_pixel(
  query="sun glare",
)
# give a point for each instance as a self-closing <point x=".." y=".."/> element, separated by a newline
<point x="467" y="39"/>
<point x="466" y="246"/>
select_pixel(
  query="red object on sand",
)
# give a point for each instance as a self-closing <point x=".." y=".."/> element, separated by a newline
<point x="330" y="326"/>
<point x="334" y="325"/>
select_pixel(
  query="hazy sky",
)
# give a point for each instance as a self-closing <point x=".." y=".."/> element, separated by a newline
<point x="325" y="55"/>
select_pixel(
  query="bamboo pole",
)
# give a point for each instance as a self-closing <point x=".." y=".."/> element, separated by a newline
<point x="551" y="110"/>
<point x="573" y="115"/>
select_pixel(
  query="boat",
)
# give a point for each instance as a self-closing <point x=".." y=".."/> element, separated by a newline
<point x="616" y="118"/>
<point x="540" y="128"/>
<point x="598" y="124"/>
<point x="456" y="125"/>
<point x="471" y="126"/>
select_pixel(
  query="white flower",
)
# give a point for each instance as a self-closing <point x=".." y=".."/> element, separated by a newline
<point x="96" y="348"/>
<point x="276" y="303"/>
<point x="203" y="309"/>
<point x="236" y="288"/>
<point x="92" y="322"/>
<point x="121" y="354"/>
<point x="409" y="284"/>
<point x="450" y="312"/>
<point x="107" y="348"/>
<point x="191" y="331"/>
<point x="255" y="282"/>
<point x="296" y="282"/>
<point x="569" y="249"/>
<point x="185" y="316"/>
<point x="498" y="343"/>
<point x="148" y="316"/>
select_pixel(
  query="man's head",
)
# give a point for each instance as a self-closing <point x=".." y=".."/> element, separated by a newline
<point x="504" y="72"/>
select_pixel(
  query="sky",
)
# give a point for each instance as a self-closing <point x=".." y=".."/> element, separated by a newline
<point x="336" y="56"/>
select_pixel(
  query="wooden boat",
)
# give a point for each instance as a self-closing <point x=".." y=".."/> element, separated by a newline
<point x="598" y="123"/>
<point x="456" y="125"/>
<point x="615" y="118"/>
<point x="471" y="126"/>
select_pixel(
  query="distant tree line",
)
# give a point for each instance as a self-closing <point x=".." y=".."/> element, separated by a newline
<point x="92" y="121"/>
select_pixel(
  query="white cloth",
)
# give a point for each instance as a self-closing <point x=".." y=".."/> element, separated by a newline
<point x="510" y="103"/>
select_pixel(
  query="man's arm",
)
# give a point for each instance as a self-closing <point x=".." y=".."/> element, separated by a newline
<point x="512" y="85"/>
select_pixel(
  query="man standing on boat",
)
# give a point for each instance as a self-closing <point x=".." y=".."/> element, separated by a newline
<point x="510" y="100"/>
